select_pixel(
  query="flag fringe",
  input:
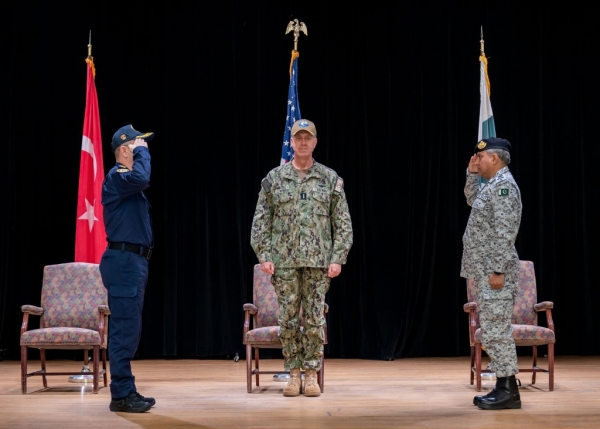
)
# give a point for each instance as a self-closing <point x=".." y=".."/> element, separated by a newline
<point x="483" y="59"/>
<point x="295" y="54"/>
<point x="90" y="61"/>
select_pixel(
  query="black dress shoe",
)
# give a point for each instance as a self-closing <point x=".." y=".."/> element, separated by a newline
<point x="129" y="404"/>
<point x="147" y="399"/>
<point x="506" y="395"/>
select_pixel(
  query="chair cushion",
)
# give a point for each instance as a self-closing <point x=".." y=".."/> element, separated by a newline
<point x="527" y="335"/>
<point x="61" y="338"/>
<point x="264" y="336"/>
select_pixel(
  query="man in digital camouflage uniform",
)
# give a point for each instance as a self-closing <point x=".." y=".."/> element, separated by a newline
<point x="491" y="260"/>
<point x="301" y="234"/>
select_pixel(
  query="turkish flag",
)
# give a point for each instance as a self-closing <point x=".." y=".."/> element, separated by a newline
<point x="90" y="236"/>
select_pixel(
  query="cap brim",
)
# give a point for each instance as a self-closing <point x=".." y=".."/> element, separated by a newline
<point x="146" y="136"/>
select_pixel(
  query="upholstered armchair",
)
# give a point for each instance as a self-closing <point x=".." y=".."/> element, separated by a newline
<point x="73" y="315"/>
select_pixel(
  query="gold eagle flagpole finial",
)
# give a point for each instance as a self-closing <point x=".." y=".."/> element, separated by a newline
<point x="297" y="27"/>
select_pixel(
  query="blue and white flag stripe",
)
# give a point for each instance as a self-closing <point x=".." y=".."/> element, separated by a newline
<point x="293" y="111"/>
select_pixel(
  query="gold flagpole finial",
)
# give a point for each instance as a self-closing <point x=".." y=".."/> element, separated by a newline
<point x="297" y="27"/>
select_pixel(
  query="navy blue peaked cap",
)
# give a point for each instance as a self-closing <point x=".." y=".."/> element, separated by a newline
<point x="493" y="143"/>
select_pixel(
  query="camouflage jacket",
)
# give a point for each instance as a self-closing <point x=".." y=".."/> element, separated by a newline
<point x="302" y="222"/>
<point x="489" y="239"/>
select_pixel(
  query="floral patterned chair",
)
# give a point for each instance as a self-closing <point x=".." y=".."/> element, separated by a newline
<point x="526" y="330"/>
<point x="73" y="315"/>
<point x="261" y="329"/>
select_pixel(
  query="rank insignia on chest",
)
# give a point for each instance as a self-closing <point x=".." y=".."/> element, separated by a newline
<point x="302" y="195"/>
<point x="503" y="192"/>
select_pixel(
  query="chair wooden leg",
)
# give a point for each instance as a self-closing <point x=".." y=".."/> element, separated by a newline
<point x="104" y="367"/>
<point x="534" y="352"/>
<point x="257" y="365"/>
<point x="249" y="367"/>
<point x="472" y="373"/>
<point x="43" y="360"/>
<point x="551" y="366"/>
<point x="95" y="366"/>
<point x="23" y="369"/>
<point x="321" y="375"/>
<point x="478" y="367"/>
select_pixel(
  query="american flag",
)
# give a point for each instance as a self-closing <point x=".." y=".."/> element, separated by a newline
<point x="293" y="111"/>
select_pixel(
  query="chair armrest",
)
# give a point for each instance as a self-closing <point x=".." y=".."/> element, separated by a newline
<point x="104" y="309"/>
<point x="470" y="306"/>
<point x="541" y="306"/>
<point x="32" y="309"/>
<point x="546" y="306"/>
<point x="253" y="309"/>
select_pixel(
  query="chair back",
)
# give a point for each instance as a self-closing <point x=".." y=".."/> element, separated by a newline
<point x="265" y="298"/>
<point x="71" y="294"/>
<point x="523" y="311"/>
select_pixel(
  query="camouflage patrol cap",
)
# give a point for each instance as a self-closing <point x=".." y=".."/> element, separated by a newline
<point x="304" y="125"/>
<point x="127" y="133"/>
<point x="493" y="143"/>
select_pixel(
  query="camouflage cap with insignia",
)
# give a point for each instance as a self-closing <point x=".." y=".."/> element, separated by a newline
<point x="127" y="133"/>
<point x="493" y="143"/>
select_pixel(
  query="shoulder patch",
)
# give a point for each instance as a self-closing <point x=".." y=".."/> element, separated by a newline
<point x="339" y="184"/>
<point x="266" y="184"/>
<point x="122" y="170"/>
<point x="503" y="192"/>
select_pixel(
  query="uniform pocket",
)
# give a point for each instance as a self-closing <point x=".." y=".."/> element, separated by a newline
<point x="321" y="202"/>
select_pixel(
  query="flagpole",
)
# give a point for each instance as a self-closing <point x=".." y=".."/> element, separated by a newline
<point x="84" y="378"/>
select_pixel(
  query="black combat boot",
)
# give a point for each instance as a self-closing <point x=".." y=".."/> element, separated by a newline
<point x="478" y="398"/>
<point x="506" y="395"/>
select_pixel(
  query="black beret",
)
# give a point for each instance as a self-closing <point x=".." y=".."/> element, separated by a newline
<point x="492" y="143"/>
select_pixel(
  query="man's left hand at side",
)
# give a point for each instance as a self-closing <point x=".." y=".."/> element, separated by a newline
<point x="334" y="270"/>
<point x="496" y="281"/>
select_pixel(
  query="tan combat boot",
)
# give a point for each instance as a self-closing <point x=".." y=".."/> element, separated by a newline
<point x="311" y="387"/>
<point x="294" y="383"/>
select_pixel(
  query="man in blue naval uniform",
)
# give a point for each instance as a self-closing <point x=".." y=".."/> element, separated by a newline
<point x="124" y="264"/>
<point x="491" y="260"/>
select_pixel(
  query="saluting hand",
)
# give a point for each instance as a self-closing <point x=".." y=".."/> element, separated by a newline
<point x="136" y="143"/>
<point x="473" y="169"/>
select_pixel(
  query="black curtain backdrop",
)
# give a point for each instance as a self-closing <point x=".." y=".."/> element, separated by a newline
<point x="394" y="92"/>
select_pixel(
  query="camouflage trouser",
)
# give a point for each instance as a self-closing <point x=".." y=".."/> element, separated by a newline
<point x="496" y="334"/>
<point x="306" y="288"/>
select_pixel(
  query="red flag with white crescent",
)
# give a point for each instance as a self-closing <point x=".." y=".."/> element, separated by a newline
<point x="90" y="236"/>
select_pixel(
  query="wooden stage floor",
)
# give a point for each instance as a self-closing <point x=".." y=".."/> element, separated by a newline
<point x="406" y="393"/>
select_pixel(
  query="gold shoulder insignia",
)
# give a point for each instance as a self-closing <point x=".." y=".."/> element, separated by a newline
<point x="122" y="170"/>
<point x="339" y="185"/>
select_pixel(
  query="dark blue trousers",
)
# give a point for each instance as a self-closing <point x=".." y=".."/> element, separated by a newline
<point x="125" y="276"/>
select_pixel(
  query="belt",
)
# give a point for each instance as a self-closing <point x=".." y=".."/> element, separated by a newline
<point x="133" y="248"/>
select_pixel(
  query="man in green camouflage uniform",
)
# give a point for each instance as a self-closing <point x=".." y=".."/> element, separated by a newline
<point x="491" y="260"/>
<point x="301" y="234"/>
